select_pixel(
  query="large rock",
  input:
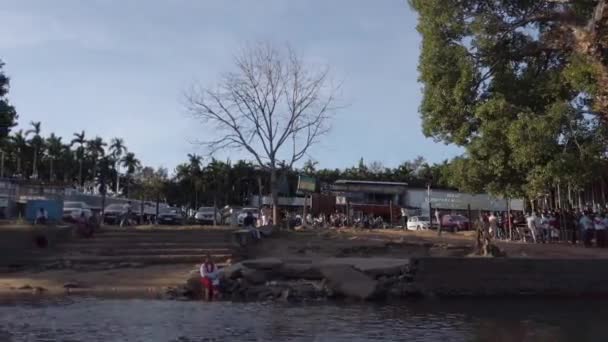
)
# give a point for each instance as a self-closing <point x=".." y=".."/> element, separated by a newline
<point x="372" y="266"/>
<point x="233" y="271"/>
<point x="300" y="271"/>
<point x="263" y="263"/>
<point x="254" y="276"/>
<point x="347" y="281"/>
<point x="266" y="231"/>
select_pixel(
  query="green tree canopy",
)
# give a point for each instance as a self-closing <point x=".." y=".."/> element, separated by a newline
<point x="8" y="114"/>
<point x="519" y="84"/>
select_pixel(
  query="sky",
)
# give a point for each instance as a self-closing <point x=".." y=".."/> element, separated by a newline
<point x="119" y="68"/>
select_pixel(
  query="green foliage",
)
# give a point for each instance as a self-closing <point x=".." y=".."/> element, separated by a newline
<point x="8" y="114"/>
<point x="501" y="80"/>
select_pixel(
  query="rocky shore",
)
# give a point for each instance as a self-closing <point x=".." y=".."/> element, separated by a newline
<point x="298" y="280"/>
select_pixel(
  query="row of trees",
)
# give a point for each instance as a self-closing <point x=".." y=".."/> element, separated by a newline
<point x="196" y="184"/>
<point x="29" y="154"/>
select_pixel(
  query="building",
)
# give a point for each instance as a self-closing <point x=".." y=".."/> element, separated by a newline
<point x="376" y="198"/>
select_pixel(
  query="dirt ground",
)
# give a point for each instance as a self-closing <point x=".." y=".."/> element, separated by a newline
<point x="303" y="244"/>
<point x="400" y="243"/>
<point x="146" y="280"/>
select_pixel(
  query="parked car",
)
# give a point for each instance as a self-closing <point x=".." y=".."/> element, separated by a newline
<point x="454" y="223"/>
<point x="418" y="223"/>
<point x="171" y="216"/>
<point x="114" y="213"/>
<point x="241" y="217"/>
<point x="204" y="215"/>
<point x="72" y="211"/>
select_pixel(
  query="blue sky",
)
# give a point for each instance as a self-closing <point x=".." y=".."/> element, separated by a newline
<point x="119" y="68"/>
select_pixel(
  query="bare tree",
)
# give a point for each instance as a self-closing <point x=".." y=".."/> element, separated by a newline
<point x="272" y="105"/>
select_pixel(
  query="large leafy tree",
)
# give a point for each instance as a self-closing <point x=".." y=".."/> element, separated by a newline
<point x="8" y="114"/>
<point x="519" y="84"/>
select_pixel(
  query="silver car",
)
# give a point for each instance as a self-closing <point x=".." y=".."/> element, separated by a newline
<point x="205" y="215"/>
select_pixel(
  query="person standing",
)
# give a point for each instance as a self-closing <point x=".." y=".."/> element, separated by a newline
<point x="438" y="219"/>
<point x="600" y="230"/>
<point x="531" y="223"/>
<point x="493" y="221"/>
<point x="587" y="229"/>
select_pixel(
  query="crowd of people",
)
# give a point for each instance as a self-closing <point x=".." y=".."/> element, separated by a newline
<point x="573" y="226"/>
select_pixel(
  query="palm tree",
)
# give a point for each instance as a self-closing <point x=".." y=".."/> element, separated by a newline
<point x="36" y="142"/>
<point x="117" y="148"/>
<point x="20" y="143"/>
<point x="54" y="151"/>
<point x="68" y="163"/>
<point x="195" y="162"/>
<point x="95" y="149"/>
<point x="79" y="138"/>
<point x="131" y="164"/>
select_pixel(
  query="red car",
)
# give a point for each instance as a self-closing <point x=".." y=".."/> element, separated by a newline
<point x="454" y="223"/>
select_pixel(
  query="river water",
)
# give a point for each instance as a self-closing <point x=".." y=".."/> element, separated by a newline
<point x="82" y="319"/>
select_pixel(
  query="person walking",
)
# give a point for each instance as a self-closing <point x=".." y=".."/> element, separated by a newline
<point x="438" y="218"/>
<point x="126" y="218"/>
<point x="531" y="221"/>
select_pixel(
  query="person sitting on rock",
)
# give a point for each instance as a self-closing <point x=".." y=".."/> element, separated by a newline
<point x="209" y="278"/>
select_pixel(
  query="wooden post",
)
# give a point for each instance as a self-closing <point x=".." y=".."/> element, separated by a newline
<point x="390" y="203"/>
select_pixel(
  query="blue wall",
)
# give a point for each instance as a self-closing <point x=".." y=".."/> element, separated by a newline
<point x="53" y="208"/>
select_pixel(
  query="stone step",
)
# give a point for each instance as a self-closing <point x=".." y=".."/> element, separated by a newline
<point x="175" y="239"/>
<point x="160" y="235"/>
<point x="92" y="244"/>
<point x="165" y="231"/>
<point x="143" y="259"/>
<point x="150" y="251"/>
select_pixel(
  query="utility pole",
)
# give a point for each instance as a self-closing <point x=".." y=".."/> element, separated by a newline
<point x="2" y="164"/>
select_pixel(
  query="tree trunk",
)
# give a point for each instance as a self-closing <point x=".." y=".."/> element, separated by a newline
<point x="117" y="177"/>
<point x="80" y="172"/>
<point x="275" y="195"/>
<point x="34" y="166"/>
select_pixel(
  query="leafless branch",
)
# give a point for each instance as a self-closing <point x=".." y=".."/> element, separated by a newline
<point x="270" y="98"/>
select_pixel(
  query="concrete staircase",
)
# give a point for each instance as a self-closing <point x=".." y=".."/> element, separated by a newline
<point x="135" y="247"/>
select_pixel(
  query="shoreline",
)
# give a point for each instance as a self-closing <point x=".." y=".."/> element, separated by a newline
<point x="429" y="267"/>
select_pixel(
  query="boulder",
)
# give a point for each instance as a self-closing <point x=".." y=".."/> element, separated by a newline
<point x="263" y="263"/>
<point x="373" y="266"/>
<point x="254" y="276"/>
<point x="300" y="271"/>
<point x="266" y="231"/>
<point x="232" y="272"/>
<point x="349" y="282"/>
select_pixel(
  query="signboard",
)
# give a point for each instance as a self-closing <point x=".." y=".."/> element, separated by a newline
<point x="307" y="184"/>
